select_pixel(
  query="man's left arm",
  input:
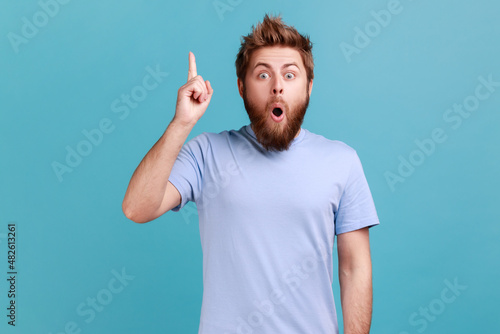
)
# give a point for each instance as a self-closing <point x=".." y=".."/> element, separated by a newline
<point x="355" y="279"/>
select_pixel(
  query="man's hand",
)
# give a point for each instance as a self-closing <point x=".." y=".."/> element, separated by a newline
<point x="193" y="97"/>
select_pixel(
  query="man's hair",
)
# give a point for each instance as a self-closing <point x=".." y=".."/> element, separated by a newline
<point x="273" y="32"/>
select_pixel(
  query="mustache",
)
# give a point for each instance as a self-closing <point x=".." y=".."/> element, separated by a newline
<point x="277" y="100"/>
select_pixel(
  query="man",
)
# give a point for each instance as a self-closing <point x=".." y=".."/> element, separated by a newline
<point x="271" y="197"/>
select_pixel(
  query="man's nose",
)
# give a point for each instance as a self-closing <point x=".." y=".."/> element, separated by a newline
<point x="277" y="86"/>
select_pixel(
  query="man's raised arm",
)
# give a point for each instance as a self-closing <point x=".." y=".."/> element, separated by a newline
<point x="149" y="193"/>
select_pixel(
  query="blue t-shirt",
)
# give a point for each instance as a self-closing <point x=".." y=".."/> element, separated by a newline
<point x="267" y="226"/>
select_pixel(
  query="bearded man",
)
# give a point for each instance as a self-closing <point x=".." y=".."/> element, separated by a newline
<point x="271" y="197"/>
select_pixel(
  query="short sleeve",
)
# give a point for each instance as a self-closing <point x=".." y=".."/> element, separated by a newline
<point x="356" y="207"/>
<point x="187" y="171"/>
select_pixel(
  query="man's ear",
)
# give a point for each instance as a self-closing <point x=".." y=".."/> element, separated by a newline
<point x="310" y="86"/>
<point x="240" y="87"/>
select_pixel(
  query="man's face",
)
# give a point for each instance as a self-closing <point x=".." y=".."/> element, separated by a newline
<point x="276" y="95"/>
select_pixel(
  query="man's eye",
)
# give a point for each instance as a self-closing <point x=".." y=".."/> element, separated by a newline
<point x="263" y="75"/>
<point x="290" y="75"/>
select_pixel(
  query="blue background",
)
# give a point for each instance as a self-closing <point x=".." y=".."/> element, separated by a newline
<point x="439" y="225"/>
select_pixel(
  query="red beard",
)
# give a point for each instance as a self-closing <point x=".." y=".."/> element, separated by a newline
<point x="278" y="136"/>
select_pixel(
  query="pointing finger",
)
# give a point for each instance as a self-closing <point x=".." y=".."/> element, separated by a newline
<point x="192" y="66"/>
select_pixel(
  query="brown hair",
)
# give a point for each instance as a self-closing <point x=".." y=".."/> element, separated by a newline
<point x="273" y="32"/>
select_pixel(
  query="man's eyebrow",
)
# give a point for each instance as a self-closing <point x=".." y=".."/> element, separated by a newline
<point x="282" y="67"/>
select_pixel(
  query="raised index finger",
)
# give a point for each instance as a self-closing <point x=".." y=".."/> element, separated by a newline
<point x="192" y="66"/>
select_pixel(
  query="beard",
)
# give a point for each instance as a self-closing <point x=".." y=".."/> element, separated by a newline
<point x="276" y="136"/>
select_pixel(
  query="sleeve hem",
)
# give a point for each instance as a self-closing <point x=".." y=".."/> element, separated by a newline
<point x="358" y="225"/>
<point x="177" y="184"/>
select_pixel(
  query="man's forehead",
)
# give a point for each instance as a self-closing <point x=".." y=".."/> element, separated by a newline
<point x="275" y="56"/>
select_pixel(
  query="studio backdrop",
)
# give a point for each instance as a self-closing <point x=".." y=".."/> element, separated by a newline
<point x="87" y="87"/>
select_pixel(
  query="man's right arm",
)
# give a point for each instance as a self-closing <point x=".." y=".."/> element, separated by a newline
<point x="149" y="193"/>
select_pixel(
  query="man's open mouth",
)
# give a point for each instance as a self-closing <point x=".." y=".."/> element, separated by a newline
<point x="277" y="112"/>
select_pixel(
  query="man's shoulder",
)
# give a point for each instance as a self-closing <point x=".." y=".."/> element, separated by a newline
<point x="212" y="138"/>
<point x="324" y="143"/>
<point x="221" y="135"/>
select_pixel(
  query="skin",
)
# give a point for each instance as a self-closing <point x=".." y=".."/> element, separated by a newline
<point x="149" y="194"/>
